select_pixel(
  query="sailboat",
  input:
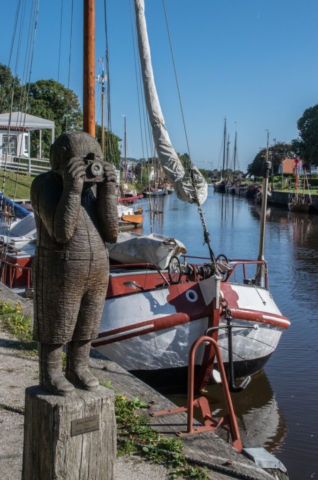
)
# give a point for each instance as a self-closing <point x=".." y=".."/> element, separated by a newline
<point x="230" y="186"/>
<point x="152" y="316"/>
<point x="154" y="313"/>
<point x="220" y="185"/>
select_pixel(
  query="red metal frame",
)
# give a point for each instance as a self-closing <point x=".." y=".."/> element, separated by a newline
<point x="228" y="422"/>
<point x="8" y="272"/>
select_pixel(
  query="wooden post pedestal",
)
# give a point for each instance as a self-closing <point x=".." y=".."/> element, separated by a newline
<point x="69" y="438"/>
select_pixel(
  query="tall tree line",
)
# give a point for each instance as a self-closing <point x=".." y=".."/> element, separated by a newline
<point x="53" y="101"/>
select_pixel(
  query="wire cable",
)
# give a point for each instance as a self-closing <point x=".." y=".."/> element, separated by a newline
<point x="70" y="51"/>
<point x="176" y="77"/>
<point x="60" y="45"/>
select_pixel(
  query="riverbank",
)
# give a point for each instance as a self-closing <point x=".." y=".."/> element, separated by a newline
<point x="19" y="370"/>
<point x="282" y="198"/>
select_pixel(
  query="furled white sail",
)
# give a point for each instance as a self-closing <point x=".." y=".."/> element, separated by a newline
<point x="168" y="157"/>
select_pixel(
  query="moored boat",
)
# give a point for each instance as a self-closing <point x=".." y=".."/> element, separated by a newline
<point x="154" y="192"/>
<point x="130" y="198"/>
<point x="152" y="317"/>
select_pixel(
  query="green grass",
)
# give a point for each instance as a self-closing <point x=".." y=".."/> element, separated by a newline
<point x="16" y="185"/>
<point x="300" y="191"/>
<point x="137" y="436"/>
<point x="19" y="325"/>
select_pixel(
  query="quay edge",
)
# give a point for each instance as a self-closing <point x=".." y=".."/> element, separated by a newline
<point x="205" y="448"/>
<point x="282" y="199"/>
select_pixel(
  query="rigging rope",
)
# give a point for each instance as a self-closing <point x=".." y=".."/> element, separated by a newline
<point x="205" y="230"/>
<point x="60" y="46"/>
<point x="176" y="77"/>
<point x="70" y="52"/>
<point x="137" y="80"/>
<point x="25" y="91"/>
<point x="108" y="109"/>
<point x="145" y="127"/>
<point x="14" y="30"/>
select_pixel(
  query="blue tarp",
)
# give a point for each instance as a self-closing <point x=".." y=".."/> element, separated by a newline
<point x="19" y="211"/>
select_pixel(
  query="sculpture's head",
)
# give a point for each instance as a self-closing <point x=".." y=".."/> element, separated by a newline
<point x="73" y="144"/>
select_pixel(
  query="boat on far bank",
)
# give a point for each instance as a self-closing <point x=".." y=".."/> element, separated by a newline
<point x="154" y="192"/>
<point x="129" y="198"/>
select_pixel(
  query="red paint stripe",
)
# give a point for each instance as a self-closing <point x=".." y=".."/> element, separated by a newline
<point x="169" y="321"/>
<point x="172" y="321"/>
<point x="256" y="316"/>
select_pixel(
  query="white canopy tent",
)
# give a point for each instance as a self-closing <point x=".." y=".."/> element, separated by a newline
<point x="27" y="123"/>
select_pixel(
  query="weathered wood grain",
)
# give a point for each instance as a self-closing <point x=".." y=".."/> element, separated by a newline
<point x="50" y="452"/>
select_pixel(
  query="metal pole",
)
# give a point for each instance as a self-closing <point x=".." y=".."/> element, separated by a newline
<point x="272" y="174"/>
<point x="260" y="275"/>
<point x="89" y="67"/>
<point x="103" y="114"/>
<point x="40" y="143"/>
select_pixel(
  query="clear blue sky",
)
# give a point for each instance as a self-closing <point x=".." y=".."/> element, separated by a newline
<point x="254" y="62"/>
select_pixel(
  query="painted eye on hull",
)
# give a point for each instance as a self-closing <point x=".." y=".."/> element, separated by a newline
<point x="191" y="296"/>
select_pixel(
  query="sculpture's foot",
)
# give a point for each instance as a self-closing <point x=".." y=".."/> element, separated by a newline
<point x="58" y="385"/>
<point x="83" y="379"/>
<point x="51" y="375"/>
<point x="77" y="371"/>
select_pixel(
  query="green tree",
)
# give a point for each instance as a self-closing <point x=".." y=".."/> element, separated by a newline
<point x="185" y="160"/>
<point x="276" y="153"/>
<point x="111" y="147"/>
<point x="51" y="100"/>
<point x="307" y="145"/>
<point x="206" y="174"/>
<point x="8" y="84"/>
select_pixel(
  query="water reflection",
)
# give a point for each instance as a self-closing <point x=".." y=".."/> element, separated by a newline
<point x="291" y="248"/>
<point x="260" y="420"/>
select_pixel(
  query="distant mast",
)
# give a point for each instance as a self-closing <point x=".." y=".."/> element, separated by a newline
<point x="235" y="153"/>
<point x="224" y="150"/>
<point x="89" y="68"/>
<point x="227" y="153"/>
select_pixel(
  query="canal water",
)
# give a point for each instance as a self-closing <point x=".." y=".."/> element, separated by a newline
<point x="279" y="408"/>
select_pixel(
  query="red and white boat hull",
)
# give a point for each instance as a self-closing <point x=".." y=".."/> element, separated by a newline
<point x="151" y="332"/>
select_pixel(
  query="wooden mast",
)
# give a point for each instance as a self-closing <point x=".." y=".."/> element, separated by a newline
<point x="89" y="68"/>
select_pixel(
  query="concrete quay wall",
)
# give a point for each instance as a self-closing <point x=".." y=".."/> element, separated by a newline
<point x="282" y="198"/>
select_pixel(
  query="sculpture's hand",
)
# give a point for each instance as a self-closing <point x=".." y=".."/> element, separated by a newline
<point x="73" y="175"/>
<point x="109" y="173"/>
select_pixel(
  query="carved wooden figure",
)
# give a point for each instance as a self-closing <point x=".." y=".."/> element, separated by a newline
<point x="75" y="207"/>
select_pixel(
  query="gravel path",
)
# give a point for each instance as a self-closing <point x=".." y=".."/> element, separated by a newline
<point x="19" y="371"/>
